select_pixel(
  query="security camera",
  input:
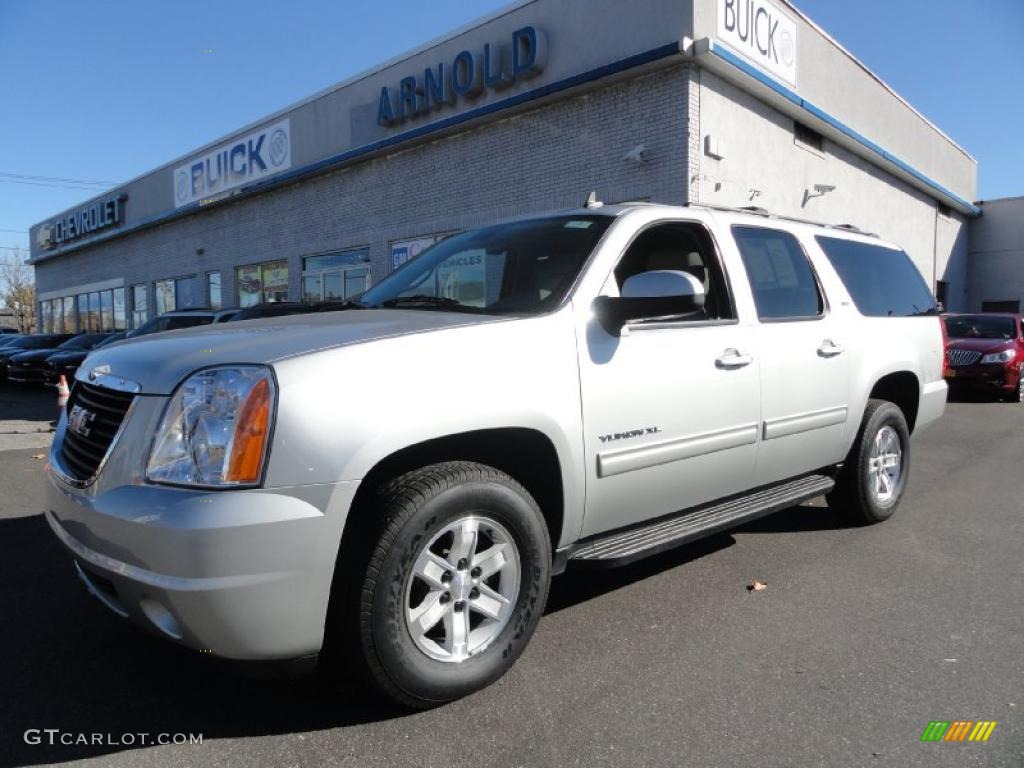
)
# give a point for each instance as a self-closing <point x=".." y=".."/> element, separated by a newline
<point x="637" y="154"/>
<point x="821" y="189"/>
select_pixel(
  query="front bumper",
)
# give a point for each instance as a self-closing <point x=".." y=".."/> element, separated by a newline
<point x="990" y="376"/>
<point x="25" y="375"/>
<point x="240" y="574"/>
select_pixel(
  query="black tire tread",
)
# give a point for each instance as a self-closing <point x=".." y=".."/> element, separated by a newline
<point x="398" y="500"/>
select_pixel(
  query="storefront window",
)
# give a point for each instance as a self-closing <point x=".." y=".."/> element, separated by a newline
<point x="69" y="314"/>
<point x="46" y="313"/>
<point x="83" y="312"/>
<point x="261" y="283"/>
<point x="106" y="310"/>
<point x="58" y="315"/>
<point x="335" y="276"/>
<point x="140" y="305"/>
<point x="213" y="290"/>
<point x="164" y="290"/>
<point x="94" y="311"/>
<point x="119" y="319"/>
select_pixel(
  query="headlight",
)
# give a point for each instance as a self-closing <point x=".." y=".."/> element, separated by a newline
<point x="1000" y="357"/>
<point x="215" y="429"/>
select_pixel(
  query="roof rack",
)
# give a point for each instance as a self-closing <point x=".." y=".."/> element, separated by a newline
<point x="758" y="211"/>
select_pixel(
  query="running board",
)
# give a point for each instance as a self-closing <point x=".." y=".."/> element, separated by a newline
<point x="621" y="547"/>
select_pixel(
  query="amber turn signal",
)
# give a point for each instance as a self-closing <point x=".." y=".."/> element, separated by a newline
<point x="250" y="440"/>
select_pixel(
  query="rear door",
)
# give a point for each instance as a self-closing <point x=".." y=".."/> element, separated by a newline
<point x="804" y="362"/>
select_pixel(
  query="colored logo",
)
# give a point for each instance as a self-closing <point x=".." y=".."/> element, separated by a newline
<point x="958" y="730"/>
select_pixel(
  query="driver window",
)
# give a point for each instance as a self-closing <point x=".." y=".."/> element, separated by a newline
<point x="682" y="247"/>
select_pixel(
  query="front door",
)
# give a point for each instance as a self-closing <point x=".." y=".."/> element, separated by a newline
<point x="671" y="410"/>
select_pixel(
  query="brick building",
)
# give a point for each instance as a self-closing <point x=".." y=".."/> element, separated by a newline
<point x="720" y="102"/>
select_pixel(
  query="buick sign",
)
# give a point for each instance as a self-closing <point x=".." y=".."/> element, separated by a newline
<point x="762" y="34"/>
<point x="241" y="161"/>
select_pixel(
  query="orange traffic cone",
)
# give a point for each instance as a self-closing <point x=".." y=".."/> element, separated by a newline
<point x="63" y="393"/>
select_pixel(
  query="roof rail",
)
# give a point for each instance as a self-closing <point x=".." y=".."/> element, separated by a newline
<point x="758" y="211"/>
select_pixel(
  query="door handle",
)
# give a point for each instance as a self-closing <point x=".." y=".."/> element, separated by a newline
<point x="733" y="358"/>
<point x="829" y="348"/>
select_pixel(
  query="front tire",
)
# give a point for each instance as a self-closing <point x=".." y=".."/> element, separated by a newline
<point x="1017" y="396"/>
<point x="871" y="484"/>
<point x="455" y="586"/>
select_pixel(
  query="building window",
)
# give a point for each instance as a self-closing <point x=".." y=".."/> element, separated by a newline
<point x="259" y="283"/>
<point x="94" y="311"/>
<point x="213" y="296"/>
<point x="941" y="292"/>
<point x="335" y="276"/>
<point x="46" y="313"/>
<point x="119" y="318"/>
<point x="140" y="305"/>
<point x="164" y="292"/>
<point x="808" y="138"/>
<point x="83" y="312"/>
<point x="69" y="314"/>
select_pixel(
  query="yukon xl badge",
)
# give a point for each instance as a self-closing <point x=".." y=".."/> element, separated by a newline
<point x="628" y="435"/>
<point x="79" y="420"/>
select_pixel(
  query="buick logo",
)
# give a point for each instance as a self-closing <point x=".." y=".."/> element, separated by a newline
<point x="181" y="186"/>
<point x="278" y="147"/>
<point x="79" y="420"/>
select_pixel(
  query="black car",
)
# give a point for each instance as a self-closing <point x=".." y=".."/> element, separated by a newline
<point x="26" y="343"/>
<point x="67" y="358"/>
<point x="8" y="331"/>
<point x="9" y="338"/>
<point x="28" y="367"/>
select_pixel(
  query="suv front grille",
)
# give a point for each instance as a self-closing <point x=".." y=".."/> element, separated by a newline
<point x="961" y="357"/>
<point x="95" y="415"/>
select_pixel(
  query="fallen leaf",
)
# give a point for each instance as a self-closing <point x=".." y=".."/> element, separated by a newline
<point x="38" y="456"/>
<point x="757" y="586"/>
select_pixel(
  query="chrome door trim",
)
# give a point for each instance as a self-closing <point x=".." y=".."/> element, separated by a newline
<point x="624" y="460"/>
<point x="804" y="422"/>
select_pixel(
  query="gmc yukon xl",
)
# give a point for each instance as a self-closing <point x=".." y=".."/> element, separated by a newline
<point x="396" y="482"/>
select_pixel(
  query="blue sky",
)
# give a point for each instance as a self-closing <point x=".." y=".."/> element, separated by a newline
<point x="107" y="89"/>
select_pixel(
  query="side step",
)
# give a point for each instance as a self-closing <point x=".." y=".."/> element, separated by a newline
<point x="625" y="546"/>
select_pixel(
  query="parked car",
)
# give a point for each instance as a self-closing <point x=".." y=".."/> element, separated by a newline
<point x="66" y="361"/>
<point x="9" y="338"/>
<point x="30" y="367"/>
<point x="5" y="331"/>
<point x="272" y="309"/>
<point x="29" y="342"/>
<point x="401" y="479"/>
<point x="184" y="318"/>
<point x="986" y="352"/>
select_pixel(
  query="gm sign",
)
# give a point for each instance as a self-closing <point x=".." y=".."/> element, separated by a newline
<point x="759" y="32"/>
<point x="238" y="162"/>
<point x="465" y="76"/>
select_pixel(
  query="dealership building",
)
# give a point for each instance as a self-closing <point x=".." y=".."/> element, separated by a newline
<point x="713" y="102"/>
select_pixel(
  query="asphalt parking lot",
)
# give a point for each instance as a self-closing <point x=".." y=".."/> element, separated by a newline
<point x="862" y="637"/>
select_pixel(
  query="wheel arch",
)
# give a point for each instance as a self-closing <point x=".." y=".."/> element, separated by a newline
<point x="903" y="388"/>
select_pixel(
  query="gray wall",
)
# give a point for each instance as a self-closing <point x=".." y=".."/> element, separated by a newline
<point x="545" y="159"/>
<point x="996" y="253"/>
<point x="834" y="81"/>
<point x="759" y="153"/>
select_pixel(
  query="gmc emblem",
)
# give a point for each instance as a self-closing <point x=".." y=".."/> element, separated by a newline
<point x="79" y="420"/>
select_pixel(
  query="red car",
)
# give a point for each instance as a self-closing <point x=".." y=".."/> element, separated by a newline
<point x="986" y="352"/>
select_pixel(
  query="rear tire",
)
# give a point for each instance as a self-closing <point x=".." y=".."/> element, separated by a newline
<point x="455" y="585"/>
<point x="871" y="484"/>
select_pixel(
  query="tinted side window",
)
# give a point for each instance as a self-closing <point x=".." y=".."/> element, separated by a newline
<point x="883" y="282"/>
<point x="780" y="276"/>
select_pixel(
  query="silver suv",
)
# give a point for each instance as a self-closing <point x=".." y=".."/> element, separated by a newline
<point x="396" y="482"/>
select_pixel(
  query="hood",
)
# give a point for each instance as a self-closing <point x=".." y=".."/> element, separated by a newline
<point x="981" y="345"/>
<point x="158" y="362"/>
<point x="68" y="356"/>
<point x="32" y="355"/>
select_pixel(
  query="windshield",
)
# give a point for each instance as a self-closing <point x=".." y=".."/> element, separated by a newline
<point x="171" y="323"/>
<point x="523" y="267"/>
<point x="83" y="341"/>
<point x="980" y="327"/>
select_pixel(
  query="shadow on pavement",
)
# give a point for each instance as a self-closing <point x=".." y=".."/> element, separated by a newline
<point x="27" y="404"/>
<point x="68" y="664"/>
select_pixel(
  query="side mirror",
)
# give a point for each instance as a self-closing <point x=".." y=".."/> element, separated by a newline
<point x="657" y="295"/>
